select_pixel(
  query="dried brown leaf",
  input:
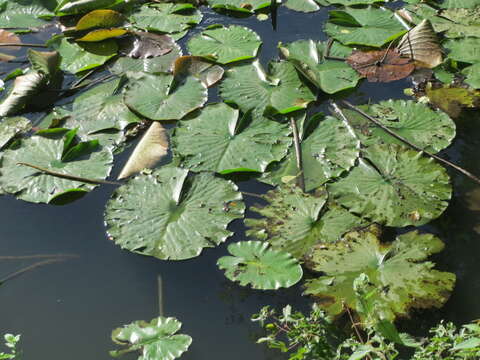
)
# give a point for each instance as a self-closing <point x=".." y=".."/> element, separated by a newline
<point x="197" y="66"/>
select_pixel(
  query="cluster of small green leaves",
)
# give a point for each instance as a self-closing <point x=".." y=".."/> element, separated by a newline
<point x="11" y="342"/>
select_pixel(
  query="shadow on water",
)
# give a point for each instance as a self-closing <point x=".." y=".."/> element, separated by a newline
<point x="67" y="310"/>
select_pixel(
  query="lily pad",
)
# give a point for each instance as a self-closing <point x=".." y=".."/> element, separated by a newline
<point x="225" y="142"/>
<point x="465" y="50"/>
<point x="369" y="26"/>
<point x="330" y="76"/>
<point x="35" y="186"/>
<point x="253" y="263"/>
<point x="244" y="6"/>
<point x="327" y="152"/>
<point x="429" y="129"/>
<point x="69" y="7"/>
<point x="395" y="186"/>
<point x="397" y="269"/>
<point x="166" y="17"/>
<point x="199" y="67"/>
<point x="226" y="44"/>
<point x="100" y="19"/>
<point x="473" y="75"/>
<point x="250" y="87"/>
<point x="80" y="57"/>
<point x="11" y="127"/>
<point x="169" y="215"/>
<point x="303" y="5"/>
<point x="156" y="340"/>
<point x="25" y="13"/>
<point x="290" y="221"/>
<point x="162" y="97"/>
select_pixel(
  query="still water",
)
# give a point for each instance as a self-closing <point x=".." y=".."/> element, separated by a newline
<point x="67" y="310"/>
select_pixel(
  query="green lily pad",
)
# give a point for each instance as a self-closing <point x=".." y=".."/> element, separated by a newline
<point x="226" y="143"/>
<point x="32" y="185"/>
<point x="395" y="186"/>
<point x="369" y="26"/>
<point x="303" y="5"/>
<point x="84" y="56"/>
<point x="156" y="340"/>
<point x="244" y="6"/>
<point x="250" y="87"/>
<point x="429" y="129"/>
<point x="25" y="13"/>
<point x="100" y="19"/>
<point x="226" y="44"/>
<point x="473" y="75"/>
<point x="166" y="17"/>
<point x="169" y="215"/>
<point x="290" y="219"/>
<point x="397" y="269"/>
<point x="327" y="152"/>
<point x="465" y="50"/>
<point x="465" y="4"/>
<point x="253" y="263"/>
<point x="69" y="7"/>
<point x="330" y="76"/>
<point x="11" y="127"/>
<point x="162" y="97"/>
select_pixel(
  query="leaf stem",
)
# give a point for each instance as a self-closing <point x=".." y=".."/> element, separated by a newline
<point x="31" y="267"/>
<point x="70" y="177"/>
<point x="407" y="142"/>
<point x="23" y="45"/>
<point x="298" y="154"/>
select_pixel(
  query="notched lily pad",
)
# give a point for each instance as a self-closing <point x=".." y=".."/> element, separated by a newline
<point x="254" y="263"/>
<point x="157" y="339"/>
<point x="398" y="270"/>
<point x="226" y="44"/>
<point x="170" y="215"/>
<point x="395" y="186"/>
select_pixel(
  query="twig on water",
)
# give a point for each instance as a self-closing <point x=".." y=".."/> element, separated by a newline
<point x="404" y="140"/>
<point x="252" y="194"/>
<point x="31" y="267"/>
<point x="298" y="154"/>
<point x="23" y="45"/>
<point x="70" y="177"/>
<point x="38" y="256"/>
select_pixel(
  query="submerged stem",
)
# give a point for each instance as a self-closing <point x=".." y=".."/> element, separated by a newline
<point x="298" y="154"/>
<point x="407" y="142"/>
<point x="31" y="267"/>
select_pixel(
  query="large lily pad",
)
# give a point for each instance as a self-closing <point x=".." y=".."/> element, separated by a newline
<point x="25" y="13"/>
<point x="303" y="5"/>
<point x="250" y="87"/>
<point x="225" y="142"/>
<point x="225" y="44"/>
<point x="169" y="215"/>
<point x="369" y="26"/>
<point x="330" y="76"/>
<point x="11" y="127"/>
<point x="290" y="219"/>
<point x="156" y="340"/>
<point x="429" y="129"/>
<point x="394" y="186"/>
<point x="163" y="97"/>
<point x="32" y="185"/>
<point x="68" y="7"/>
<point x="327" y="152"/>
<point x="166" y="17"/>
<point x="263" y="268"/>
<point x="396" y="270"/>
<point x="84" y="56"/>
<point x="244" y="6"/>
<point x="465" y="50"/>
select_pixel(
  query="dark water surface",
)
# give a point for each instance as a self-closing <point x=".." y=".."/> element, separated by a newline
<point x="67" y="310"/>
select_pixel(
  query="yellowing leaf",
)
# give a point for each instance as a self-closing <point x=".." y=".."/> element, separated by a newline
<point x="100" y="19"/>
<point x="102" y="34"/>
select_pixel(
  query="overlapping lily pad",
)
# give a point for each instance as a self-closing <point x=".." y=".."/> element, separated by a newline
<point x="157" y="339"/>
<point x="170" y="215"/>
<point x="26" y="13"/>
<point x="280" y="89"/>
<point x="166" y="17"/>
<point x="243" y="6"/>
<point x="225" y="44"/>
<point x="327" y="152"/>
<point x="163" y="97"/>
<point x="369" y="26"/>
<point x="395" y="186"/>
<point x="429" y="129"/>
<point x="32" y="185"/>
<point x="254" y="263"/>
<point x="330" y="76"/>
<point x="398" y="270"/>
<point x="226" y="142"/>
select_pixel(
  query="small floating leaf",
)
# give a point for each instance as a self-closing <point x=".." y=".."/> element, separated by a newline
<point x="253" y="263"/>
<point x="156" y="340"/>
<point x="226" y="44"/>
<point x="395" y="186"/>
<point x="159" y="97"/>
<point x="170" y="215"/>
<point x="395" y="269"/>
<point x="226" y="143"/>
<point x="250" y="87"/>
<point x="152" y="148"/>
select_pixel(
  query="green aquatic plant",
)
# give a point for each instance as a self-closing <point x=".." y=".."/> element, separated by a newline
<point x="11" y="342"/>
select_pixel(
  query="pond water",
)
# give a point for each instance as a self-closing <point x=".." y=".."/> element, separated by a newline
<point x="67" y="310"/>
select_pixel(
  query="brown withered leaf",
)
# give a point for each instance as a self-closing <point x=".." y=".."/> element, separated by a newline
<point x="203" y="69"/>
<point x="7" y="37"/>
<point x="381" y="65"/>
<point x="144" y="45"/>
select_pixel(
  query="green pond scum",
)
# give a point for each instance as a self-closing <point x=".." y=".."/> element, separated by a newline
<point x="353" y="187"/>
